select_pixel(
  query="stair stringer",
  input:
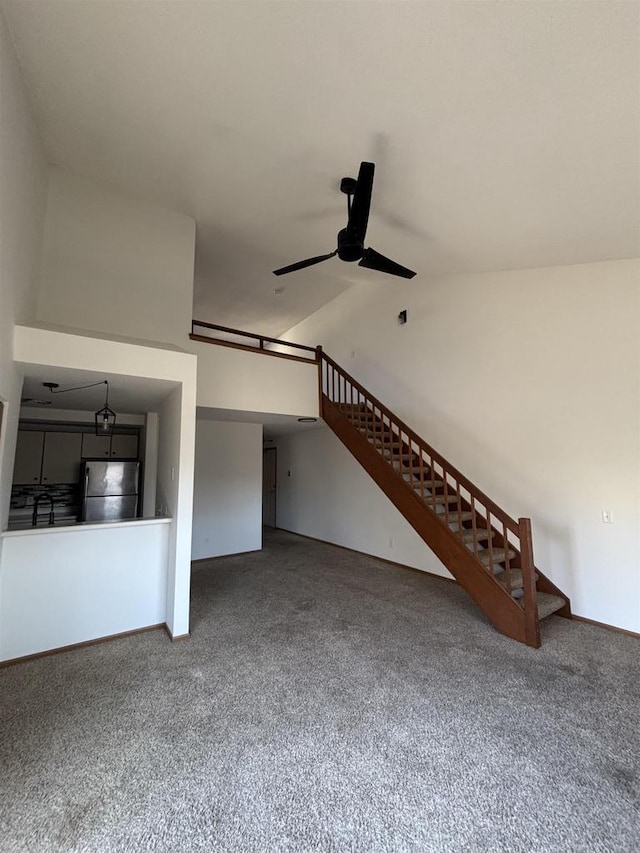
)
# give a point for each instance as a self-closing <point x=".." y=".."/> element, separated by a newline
<point x="500" y="608"/>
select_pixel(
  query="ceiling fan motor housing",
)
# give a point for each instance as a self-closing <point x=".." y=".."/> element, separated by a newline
<point x="349" y="249"/>
<point x="348" y="186"/>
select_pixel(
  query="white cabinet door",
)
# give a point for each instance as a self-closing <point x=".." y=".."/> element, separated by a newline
<point x="61" y="460"/>
<point x="124" y="446"/>
<point x="28" y="462"/>
<point x="95" y="446"/>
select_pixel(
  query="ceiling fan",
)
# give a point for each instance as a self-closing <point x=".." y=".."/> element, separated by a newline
<point x="351" y="239"/>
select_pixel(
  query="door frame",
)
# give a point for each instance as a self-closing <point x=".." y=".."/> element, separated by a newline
<point x="275" y="490"/>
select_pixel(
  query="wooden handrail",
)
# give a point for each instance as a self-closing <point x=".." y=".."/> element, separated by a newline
<point x="241" y="333"/>
<point x="490" y="505"/>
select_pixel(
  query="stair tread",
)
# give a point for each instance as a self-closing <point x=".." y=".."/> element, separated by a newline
<point x="465" y="515"/>
<point x="415" y="475"/>
<point x="548" y="604"/>
<point x="467" y="534"/>
<point x="377" y="442"/>
<point x="430" y="500"/>
<point x="515" y="578"/>
<point x="499" y="556"/>
<point x="427" y="486"/>
<point x="361" y="417"/>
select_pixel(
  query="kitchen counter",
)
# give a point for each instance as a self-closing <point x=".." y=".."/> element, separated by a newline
<point x="25" y="528"/>
<point x="81" y="582"/>
<point x="21" y="522"/>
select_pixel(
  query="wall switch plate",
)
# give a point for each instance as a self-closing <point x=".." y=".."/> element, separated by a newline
<point x="607" y="516"/>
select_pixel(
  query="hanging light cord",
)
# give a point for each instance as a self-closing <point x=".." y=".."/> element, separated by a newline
<point x="81" y="388"/>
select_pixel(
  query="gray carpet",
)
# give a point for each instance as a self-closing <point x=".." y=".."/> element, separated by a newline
<point x="326" y="702"/>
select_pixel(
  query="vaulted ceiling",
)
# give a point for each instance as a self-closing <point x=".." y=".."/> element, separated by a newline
<point x="505" y="135"/>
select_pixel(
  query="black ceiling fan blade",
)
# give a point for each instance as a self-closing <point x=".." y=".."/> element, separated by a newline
<point x="300" y="265"/>
<point x="359" y="214"/>
<point x="373" y="260"/>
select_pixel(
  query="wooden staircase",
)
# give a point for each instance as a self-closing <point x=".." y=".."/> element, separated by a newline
<point x="489" y="553"/>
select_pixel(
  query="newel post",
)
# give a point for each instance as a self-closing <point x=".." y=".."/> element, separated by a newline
<point x="319" y="360"/>
<point x="531" y="621"/>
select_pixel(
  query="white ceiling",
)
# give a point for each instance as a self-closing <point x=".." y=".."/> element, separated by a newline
<point x="505" y="135"/>
<point x="273" y="425"/>
<point x="130" y="394"/>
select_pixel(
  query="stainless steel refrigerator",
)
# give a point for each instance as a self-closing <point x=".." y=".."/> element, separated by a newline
<point x="110" y="490"/>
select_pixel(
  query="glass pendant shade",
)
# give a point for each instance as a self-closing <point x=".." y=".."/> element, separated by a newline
<point x="105" y="421"/>
<point x="105" y="417"/>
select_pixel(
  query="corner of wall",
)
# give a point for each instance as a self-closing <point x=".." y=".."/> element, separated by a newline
<point x="23" y="194"/>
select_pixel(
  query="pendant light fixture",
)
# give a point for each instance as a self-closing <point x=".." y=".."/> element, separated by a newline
<point x="105" y="417"/>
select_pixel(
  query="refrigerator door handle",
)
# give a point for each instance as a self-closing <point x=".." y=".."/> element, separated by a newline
<point x="83" y="505"/>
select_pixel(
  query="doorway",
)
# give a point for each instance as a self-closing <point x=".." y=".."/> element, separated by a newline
<point x="269" y="459"/>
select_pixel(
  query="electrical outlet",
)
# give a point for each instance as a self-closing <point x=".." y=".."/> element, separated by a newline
<point x="390" y="542"/>
<point x="607" y="516"/>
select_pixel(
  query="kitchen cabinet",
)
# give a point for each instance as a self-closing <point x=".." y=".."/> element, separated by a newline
<point x="49" y="457"/>
<point x="124" y="446"/>
<point x="61" y="459"/>
<point x="95" y="446"/>
<point x="118" y="446"/>
<point x="28" y="461"/>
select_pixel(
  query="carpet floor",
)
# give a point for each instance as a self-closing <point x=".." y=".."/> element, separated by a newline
<point x="325" y="702"/>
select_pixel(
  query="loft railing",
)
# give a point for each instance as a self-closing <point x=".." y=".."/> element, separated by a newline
<point x="212" y="333"/>
<point x="428" y="470"/>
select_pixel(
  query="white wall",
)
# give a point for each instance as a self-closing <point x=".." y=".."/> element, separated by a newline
<point x="94" y="582"/>
<point x="529" y="382"/>
<point x="245" y="381"/>
<point x="23" y="188"/>
<point x="52" y="347"/>
<point x="176" y="447"/>
<point x="45" y="347"/>
<point x="324" y="493"/>
<point x="227" y="499"/>
<point x="114" y="265"/>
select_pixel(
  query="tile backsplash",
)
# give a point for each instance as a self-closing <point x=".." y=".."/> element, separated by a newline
<point x="66" y="499"/>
